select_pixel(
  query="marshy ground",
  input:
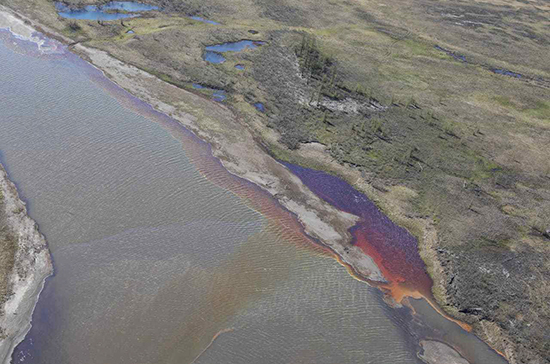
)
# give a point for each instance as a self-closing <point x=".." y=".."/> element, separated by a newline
<point x="420" y="98"/>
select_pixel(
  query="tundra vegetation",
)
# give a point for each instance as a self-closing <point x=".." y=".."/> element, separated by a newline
<point x="442" y="107"/>
<point x="8" y="247"/>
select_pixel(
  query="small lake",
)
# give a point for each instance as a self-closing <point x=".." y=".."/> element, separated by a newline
<point x="110" y="11"/>
<point x="213" y="53"/>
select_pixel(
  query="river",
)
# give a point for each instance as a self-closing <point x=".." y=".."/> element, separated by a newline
<point x="162" y="256"/>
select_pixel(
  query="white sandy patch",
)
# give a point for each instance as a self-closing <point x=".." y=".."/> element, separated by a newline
<point x="436" y="352"/>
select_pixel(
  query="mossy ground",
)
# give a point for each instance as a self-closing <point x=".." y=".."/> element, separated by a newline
<point x="470" y="145"/>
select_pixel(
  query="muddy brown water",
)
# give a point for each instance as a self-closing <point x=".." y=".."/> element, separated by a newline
<point x="155" y="262"/>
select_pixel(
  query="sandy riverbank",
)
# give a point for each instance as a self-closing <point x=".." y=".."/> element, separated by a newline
<point x="32" y="266"/>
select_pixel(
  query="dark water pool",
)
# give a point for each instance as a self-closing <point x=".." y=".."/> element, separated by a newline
<point x="259" y="106"/>
<point x="506" y="72"/>
<point x="217" y="95"/>
<point x="213" y="57"/>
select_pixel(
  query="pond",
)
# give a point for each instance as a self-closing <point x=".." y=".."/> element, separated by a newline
<point x="213" y="53"/>
<point x="111" y="11"/>
<point x="198" y="18"/>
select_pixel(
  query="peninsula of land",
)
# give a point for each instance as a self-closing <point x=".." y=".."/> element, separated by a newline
<point x="24" y="265"/>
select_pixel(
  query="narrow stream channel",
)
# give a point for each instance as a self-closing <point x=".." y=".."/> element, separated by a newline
<point x="162" y="256"/>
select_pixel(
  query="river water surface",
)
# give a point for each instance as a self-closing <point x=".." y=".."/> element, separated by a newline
<point x="160" y="255"/>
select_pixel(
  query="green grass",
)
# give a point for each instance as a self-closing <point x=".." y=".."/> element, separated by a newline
<point x="540" y="111"/>
<point x="504" y="101"/>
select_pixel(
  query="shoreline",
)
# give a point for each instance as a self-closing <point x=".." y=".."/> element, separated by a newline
<point x="32" y="266"/>
<point x="241" y="154"/>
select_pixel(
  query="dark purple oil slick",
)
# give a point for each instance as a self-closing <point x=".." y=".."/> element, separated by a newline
<point x="393" y="248"/>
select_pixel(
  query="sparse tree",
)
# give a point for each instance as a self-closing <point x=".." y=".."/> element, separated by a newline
<point x="74" y="26"/>
<point x="320" y="91"/>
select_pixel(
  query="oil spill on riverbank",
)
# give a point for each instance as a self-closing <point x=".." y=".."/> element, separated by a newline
<point x="120" y="192"/>
<point x="119" y="172"/>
